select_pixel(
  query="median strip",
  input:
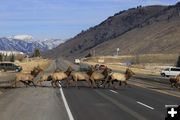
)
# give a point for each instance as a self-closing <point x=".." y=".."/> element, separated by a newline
<point x="145" y="105"/>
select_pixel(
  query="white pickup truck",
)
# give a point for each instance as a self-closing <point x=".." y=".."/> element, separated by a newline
<point x="171" y="71"/>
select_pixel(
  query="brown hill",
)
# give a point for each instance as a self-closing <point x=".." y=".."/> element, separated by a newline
<point x="150" y="29"/>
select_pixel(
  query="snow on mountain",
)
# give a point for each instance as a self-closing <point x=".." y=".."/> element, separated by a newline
<point x="52" y="43"/>
<point x="26" y="43"/>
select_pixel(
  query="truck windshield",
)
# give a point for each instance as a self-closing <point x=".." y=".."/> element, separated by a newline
<point x="167" y="69"/>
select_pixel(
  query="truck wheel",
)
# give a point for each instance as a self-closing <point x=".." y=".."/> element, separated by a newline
<point x="4" y="70"/>
<point x="16" y="70"/>
<point x="163" y="75"/>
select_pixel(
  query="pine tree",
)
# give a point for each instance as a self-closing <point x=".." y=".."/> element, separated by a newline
<point x="88" y="55"/>
<point x="37" y="53"/>
<point x="1" y="57"/>
<point x="5" y="57"/>
<point x="178" y="62"/>
<point x="12" y="58"/>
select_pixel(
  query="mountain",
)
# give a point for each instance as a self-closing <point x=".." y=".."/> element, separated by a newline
<point x="51" y="43"/>
<point x="141" y="30"/>
<point x="26" y="44"/>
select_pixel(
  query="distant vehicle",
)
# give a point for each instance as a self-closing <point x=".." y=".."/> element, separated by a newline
<point x="8" y="66"/>
<point x="171" y="71"/>
<point x="77" y="61"/>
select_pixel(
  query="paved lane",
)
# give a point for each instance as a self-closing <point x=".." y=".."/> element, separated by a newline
<point x="124" y="103"/>
<point x="86" y="103"/>
<point x="32" y="104"/>
<point x="45" y="103"/>
<point x="40" y="103"/>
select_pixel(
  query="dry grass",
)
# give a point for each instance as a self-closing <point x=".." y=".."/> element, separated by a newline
<point x="141" y="58"/>
<point x="149" y="64"/>
<point x="29" y="65"/>
<point x="137" y="70"/>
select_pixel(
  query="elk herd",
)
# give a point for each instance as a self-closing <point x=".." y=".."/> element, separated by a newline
<point x="94" y="78"/>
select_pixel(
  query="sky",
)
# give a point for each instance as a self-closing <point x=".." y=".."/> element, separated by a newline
<point x="60" y="18"/>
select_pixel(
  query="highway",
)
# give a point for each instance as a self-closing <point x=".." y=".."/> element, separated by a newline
<point x="145" y="99"/>
<point x="136" y="102"/>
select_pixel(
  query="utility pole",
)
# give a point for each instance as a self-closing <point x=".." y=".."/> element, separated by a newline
<point x="117" y="50"/>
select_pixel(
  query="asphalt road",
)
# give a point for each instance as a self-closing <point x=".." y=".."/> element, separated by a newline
<point x="144" y="100"/>
<point x="136" y="102"/>
<point x="40" y="103"/>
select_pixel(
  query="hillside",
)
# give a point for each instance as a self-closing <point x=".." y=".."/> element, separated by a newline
<point x="150" y="29"/>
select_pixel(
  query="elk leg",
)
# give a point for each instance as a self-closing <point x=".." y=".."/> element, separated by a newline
<point x="15" y="83"/>
<point x="94" y="84"/>
<point x="105" y="82"/>
<point x="67" y="83"/>
<point x="56" y="83"/>
<point x="77" y="84"/>
<point x="171" y="85"/>
<point x="33" y="83"/>
<point x="25" y="83"/>
<point x="110" y="83"/>
<point x="52" y="83"/>
<point x="41" y="83"/>
<point x="89" y="83"/>
<point x="114" y="86"/>
<point x="120" y="83"/>
<point x="125" y="83"/>
<point x="175" y="84"/>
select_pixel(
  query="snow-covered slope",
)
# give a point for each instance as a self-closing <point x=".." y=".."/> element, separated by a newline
<point x="27" y="44"/>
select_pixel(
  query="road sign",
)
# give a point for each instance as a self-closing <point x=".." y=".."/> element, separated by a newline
<point x="118" y="49"/>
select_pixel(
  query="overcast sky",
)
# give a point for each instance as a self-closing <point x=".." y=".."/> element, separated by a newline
<point x="60" y="18"/>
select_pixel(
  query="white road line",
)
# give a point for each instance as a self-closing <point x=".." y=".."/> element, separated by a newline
<point x="145" y="105"/>
<point x="66" y="104"/>
<point x="113" y="91"/>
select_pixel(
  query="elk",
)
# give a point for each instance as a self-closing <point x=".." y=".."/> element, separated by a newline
<point x="175" y="81"/>
<point x="120" y="77"/>
<point x="25" y="78"/>
<point x="60" y="75"/>
<point x="99" y="77"/>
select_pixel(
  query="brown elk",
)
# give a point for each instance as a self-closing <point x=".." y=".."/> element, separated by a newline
<point x="120" y="77"/>
<point x="98" y="77"/>
<point x="175" y="81"/>
<point x="60" y="75"/>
